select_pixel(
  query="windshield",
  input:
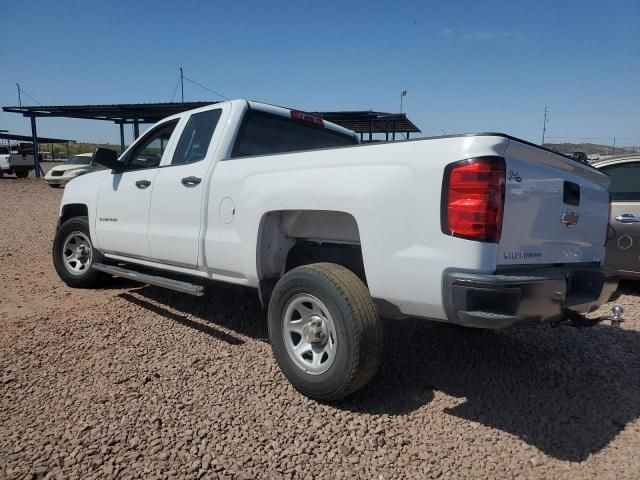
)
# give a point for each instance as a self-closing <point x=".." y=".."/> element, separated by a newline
<point x="78" y="160"/>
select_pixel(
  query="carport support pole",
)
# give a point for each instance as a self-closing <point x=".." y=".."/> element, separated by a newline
<point x="121" y="137"/>
<point x="34" y="136"/>
<point x="136" y="129"/>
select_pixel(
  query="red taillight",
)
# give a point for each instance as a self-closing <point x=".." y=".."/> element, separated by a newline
<point x="473" y="199"/>
<point x="306" y="117"/>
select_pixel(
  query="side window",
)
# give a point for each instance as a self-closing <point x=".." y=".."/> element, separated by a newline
<point x="264" y="134"/>
<point x="148" y="153"/>
<point x="196" y="136"/>
<point x="625" y="181"/>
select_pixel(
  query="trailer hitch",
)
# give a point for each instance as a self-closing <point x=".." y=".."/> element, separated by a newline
<point x="616" y="319"/>
<point x="578" y="320"/>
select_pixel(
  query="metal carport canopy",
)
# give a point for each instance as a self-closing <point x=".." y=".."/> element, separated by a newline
<point x="28" y="138"/>
<point x="118" y="113"/>
<point x="362" y="121"/>
<point x="135" y="113"/>
<point x="369" y="121"/>
<point x="123" y="113"/>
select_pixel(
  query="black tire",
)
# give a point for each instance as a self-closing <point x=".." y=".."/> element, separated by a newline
<point x="357" y="326"/>
<point x="22" y="173"/>
<point x="87" y="278"/>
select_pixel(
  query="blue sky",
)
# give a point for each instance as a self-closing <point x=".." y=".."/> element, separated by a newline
<point x="467" y="65"/>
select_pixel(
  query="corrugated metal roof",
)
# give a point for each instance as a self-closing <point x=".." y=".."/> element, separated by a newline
<point x="358" y="121"/>
<point x="370" y="121"/>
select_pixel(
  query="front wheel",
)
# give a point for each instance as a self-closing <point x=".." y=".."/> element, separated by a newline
<point x="73" y="254"/>
<point x="22" y="173"/>
<point x="324" y="330"/>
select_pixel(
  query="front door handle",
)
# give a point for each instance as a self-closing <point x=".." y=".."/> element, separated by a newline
<point x="628" y="218"/>
<point x="191" y="181"/>
<point x="143" y="183"/>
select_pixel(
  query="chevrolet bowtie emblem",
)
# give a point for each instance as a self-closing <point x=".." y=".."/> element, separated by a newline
<point x="570" y="219"/>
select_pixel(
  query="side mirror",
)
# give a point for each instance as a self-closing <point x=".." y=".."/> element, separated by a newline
<point x="108" y="158"/>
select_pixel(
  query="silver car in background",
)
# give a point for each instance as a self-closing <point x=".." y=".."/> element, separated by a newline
<point x="75" y="166"/>
<point x="623" y="240"/>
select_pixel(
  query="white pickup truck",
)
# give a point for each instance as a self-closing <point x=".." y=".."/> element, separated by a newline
<point x="18" y="162"/>
<point x="480" y="230"/>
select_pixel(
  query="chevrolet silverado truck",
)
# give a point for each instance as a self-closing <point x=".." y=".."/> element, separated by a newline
<point x="479" y="230"/>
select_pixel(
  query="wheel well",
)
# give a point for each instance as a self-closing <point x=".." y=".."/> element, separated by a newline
<point x="73" y="210"/>
<point x="292" y="238"/>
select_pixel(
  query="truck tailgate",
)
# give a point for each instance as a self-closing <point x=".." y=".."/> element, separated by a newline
<point x="556" y="210"/>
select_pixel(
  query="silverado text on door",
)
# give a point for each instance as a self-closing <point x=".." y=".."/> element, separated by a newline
<point x="481" y="230"/>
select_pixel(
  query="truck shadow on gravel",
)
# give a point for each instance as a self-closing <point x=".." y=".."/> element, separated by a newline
<point x="228" y="307"/>
<point x="565" y="391"/>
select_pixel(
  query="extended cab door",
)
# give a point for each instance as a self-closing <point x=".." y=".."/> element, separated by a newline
<point x="180" y="189"/>
<point x="122" y="216"/>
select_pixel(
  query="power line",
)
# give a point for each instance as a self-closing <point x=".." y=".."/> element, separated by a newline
<point x="21" y="90"/>
<point x="206" y="88"/>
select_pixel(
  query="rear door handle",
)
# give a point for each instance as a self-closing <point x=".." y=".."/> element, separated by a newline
<point x="628" y="218"/>
<point x="143" y="183"/>
<point x="191" y="181"/>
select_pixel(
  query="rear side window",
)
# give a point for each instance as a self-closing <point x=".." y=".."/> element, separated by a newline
<point x="264" y="134"/>
<point x="625" y="181"/>
<point x="196" y="137"/>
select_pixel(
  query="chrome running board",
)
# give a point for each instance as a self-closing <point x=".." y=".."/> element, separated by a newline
<point x="177" y="285"/>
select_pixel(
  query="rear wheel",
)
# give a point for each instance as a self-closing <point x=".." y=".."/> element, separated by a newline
<point x="324" y="331"/>
<point x="22" y="173"/>
<point x="73" y="254"/>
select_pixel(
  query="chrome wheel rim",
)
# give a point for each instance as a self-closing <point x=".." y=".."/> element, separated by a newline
<point x="309" y="334"/>
<point x="77" y="253"/>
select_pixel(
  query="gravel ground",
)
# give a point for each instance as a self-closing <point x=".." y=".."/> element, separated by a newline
<point x="134" y="381"/>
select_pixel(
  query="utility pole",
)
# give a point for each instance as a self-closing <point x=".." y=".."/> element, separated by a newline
<point x="182" y="83"/>
<point x="403" y="93"/>
<point x="544" y="123"/>
<point x="19" y="96"/>
<point x="614" y="146"/>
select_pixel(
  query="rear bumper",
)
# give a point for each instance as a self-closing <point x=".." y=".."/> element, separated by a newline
<point x="529" y="296"/>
